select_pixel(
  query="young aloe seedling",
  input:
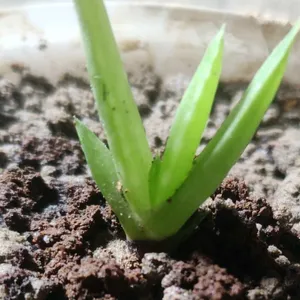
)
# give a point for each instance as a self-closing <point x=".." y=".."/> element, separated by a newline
<point x="154" y="197"/>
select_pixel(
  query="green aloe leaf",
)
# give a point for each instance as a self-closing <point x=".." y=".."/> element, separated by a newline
<point x="221" y="153"/>
<point x="117" y="109"/>
<point x="189" y="124"/>
<point x="103" y="170"/>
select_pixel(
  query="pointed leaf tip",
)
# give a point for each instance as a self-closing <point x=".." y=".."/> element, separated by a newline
<point x="188" y="125"/>
<point x="222" y="29"/>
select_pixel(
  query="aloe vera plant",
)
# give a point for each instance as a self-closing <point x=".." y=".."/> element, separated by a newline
<point x="153" y="197"/>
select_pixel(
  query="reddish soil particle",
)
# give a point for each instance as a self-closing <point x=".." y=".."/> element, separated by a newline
<point x="64" y="154"/>
<point x="182" y="275"/>
<point x="249" y="210"/>
<point x="22" y="192"/>
<point x="24" y="259"/>
<point x="232" y="189"/>
<point x="207" y="281"/>
<point x="80" y="197"/>
<point x="214" y="283"/>
<point x="93" y="277"/>
<point x="70" y="231"/>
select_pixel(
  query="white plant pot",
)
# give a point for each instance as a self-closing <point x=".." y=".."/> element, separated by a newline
<point x="44" y="36"/>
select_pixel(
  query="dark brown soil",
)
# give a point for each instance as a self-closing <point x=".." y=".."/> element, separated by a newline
<point x="59" y="239"/>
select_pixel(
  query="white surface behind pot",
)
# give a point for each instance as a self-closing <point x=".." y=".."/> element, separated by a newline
<point x="269" y="9"/>
<point x="169" y="35"/>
